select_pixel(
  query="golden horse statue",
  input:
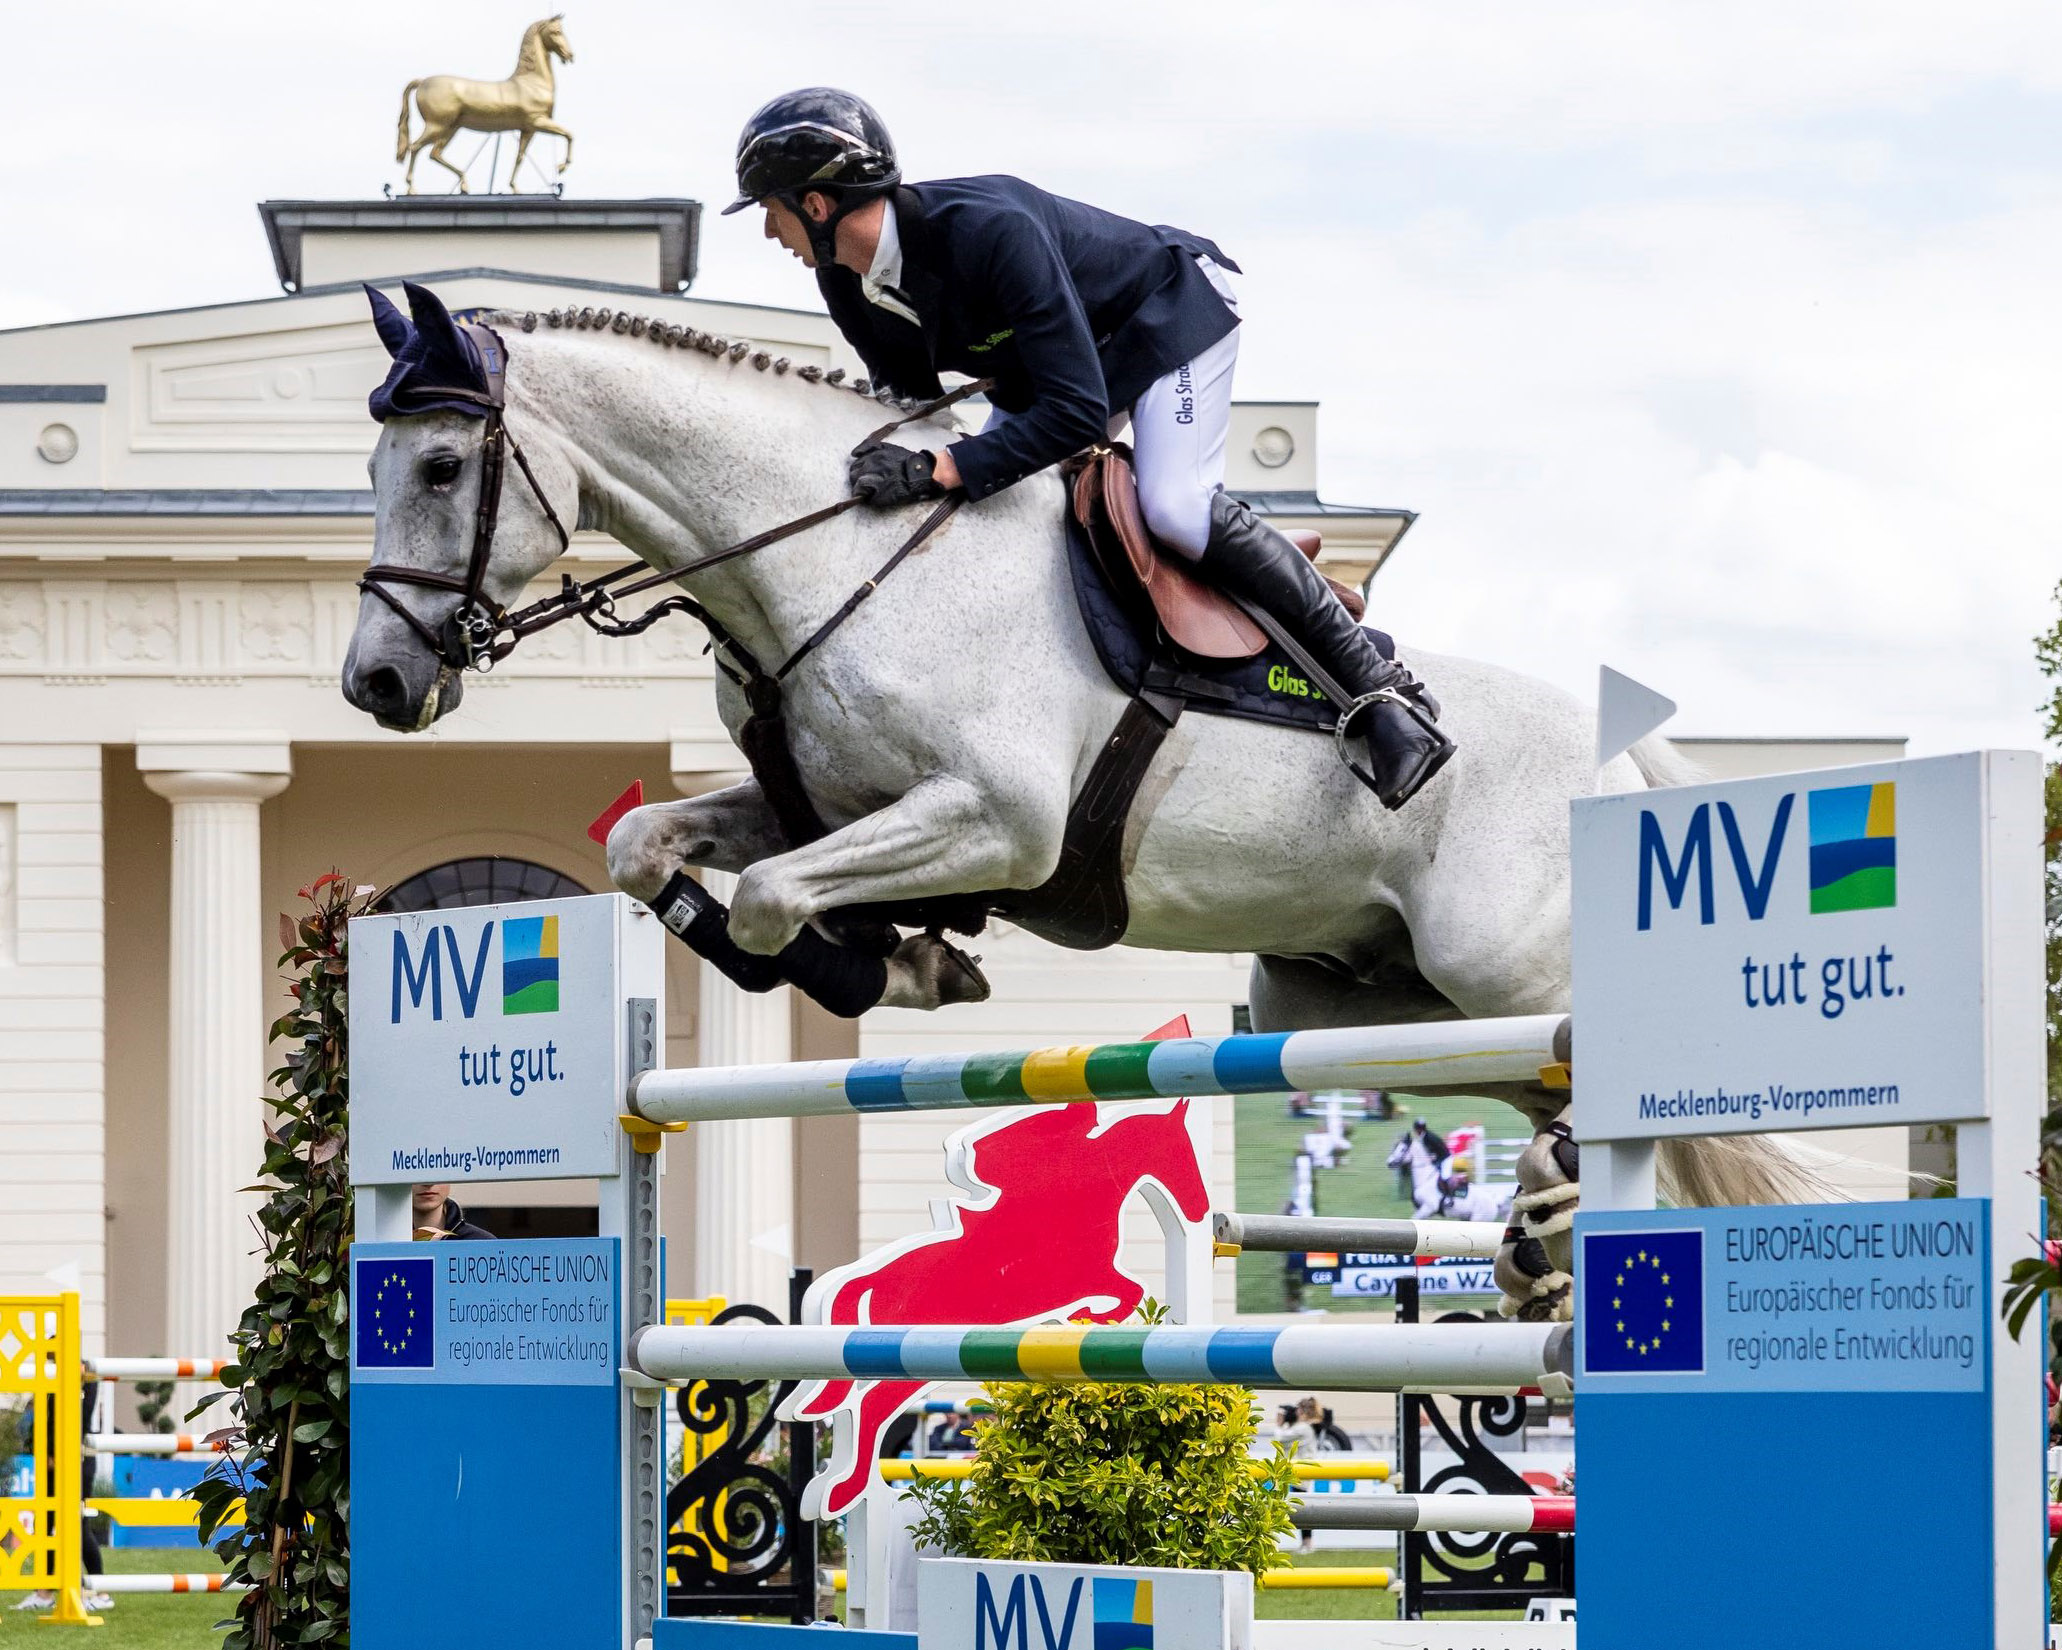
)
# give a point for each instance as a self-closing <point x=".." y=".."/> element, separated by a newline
<point x="521" y="103"/>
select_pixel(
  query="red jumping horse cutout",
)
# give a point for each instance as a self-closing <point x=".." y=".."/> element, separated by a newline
<point x="1031" y="1236"/>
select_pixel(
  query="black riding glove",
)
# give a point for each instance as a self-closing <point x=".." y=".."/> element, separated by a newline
<point x="885" y="475"/>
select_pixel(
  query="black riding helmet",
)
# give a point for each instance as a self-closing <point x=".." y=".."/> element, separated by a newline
<point x="816" y="138"/>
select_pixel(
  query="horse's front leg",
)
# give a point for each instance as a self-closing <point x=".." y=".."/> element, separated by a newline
<point x="734" y="829"/>
<point x="945" y="836"/>
<point x="522" y="149"/>
<point x="553" y="129"/>
<point x="724" y="830"/>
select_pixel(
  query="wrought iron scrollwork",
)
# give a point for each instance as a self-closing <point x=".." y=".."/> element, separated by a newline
<point x="736" y="1541"/>
<point x="1460" y="1570"/>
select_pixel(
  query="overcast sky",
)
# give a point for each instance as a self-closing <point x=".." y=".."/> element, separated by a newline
<point x="1716" y="342"/>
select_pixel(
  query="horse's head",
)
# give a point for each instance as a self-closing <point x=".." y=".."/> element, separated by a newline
<point x="459" y="530"/>
<point x="1399" y="1154"/>
<point x="1157" y="1146"/>
<point x="552" y="32"/>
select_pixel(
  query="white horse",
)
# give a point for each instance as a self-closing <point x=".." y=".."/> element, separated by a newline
<point x="1410" y="1152"/>
<point x="942" y="731"/>
<point x="1435" y="1197"/>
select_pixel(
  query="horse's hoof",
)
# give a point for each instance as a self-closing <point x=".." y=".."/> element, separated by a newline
<point x="929" y="972"/>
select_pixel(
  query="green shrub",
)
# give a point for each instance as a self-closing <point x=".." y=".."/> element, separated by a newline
<point x="1095" y="1474"/>
<point x="292" y="1367"/>
<point x="154" y="1406"/>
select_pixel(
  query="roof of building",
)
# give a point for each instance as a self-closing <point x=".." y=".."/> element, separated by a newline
<point x="426" y="277"/>
<point x="351" y="501"/>
<point x="676" y="221"/>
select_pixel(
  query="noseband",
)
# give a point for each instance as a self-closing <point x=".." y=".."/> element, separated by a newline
<point x="472" y="634"/>
<point x="479" y="632"/>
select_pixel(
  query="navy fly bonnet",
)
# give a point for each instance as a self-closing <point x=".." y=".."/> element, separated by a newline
<point x="440" y="365"/>
<point x="443" y="365"/>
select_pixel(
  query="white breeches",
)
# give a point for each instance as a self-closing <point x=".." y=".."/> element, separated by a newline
<point x="1178" y="429"/>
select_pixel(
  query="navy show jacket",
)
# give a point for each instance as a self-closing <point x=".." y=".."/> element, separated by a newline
<point x="1073" y="311"/>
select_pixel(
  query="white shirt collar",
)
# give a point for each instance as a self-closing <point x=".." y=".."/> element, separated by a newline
<point x="887" y="252"/>
<point x="885" y="274"/>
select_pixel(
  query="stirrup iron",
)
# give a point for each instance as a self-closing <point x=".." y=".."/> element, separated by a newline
<point x="1343" y="734"/>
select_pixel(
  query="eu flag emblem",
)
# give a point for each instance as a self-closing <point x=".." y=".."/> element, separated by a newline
<point x="396" y="1328"/>
<point x="1642" y="1299"/>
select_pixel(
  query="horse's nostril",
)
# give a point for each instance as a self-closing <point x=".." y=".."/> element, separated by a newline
<point x="382" y="691"/>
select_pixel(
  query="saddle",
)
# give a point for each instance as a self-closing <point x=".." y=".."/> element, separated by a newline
<point x="1170" y="641"/>
<point x="1103" y="494"/>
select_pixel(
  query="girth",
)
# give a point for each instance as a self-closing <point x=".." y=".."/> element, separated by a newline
<point x="1082" y="905"/>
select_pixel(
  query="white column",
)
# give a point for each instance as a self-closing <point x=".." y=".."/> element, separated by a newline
<point x="218" y="1055"/>
<point x="744" y="1171"/>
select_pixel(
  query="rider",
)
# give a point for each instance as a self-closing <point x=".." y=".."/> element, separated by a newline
<point x="1081" y="318"/>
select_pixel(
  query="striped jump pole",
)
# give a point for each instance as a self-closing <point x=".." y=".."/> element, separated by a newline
<point x="155" y="1369"/>
<point x="1311" y="1578"/>
<point x="1299" y="1234"/>
<point x="1440" y="1054"/>
<point x="1486" y="1513"/>
<point x="165" y="1584"/>
<point x="157" y="1443"/>
<point x="1324" y="1578"/>
<point x="1443" y="1358"/>
<point x="1338" y="1469"/>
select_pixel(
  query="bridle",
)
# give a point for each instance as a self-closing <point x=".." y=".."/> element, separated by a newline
<point x="478" y="632"/>
<point x="469" y="635"/>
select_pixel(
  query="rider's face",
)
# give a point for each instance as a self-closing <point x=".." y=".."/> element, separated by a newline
<point x="783" y="226"/>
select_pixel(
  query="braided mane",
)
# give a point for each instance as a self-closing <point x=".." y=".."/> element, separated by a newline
<point x="668" y="335"/>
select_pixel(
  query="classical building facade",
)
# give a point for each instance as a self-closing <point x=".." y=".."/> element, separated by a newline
<point x="183" y="516"/>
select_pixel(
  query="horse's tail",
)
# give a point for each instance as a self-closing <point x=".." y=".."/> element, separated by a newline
<point x="1663" y="764"/>
<point x="401" y="141"/>
<point x="1723" y="1170"/>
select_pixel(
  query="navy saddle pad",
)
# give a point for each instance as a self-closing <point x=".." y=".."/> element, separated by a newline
<point x="1265" y="688"/>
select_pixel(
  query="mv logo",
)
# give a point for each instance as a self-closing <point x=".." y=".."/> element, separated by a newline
<point x="1853" y="854"/>
<point x="529" y="968"/>
<point x="1120" y="1611"/>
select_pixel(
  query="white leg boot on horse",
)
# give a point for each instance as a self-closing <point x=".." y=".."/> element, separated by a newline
<point x="1535" y="1268"/>
<point x="941" y="723"/>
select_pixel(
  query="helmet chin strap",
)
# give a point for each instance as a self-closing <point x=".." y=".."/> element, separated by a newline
<point x="823" y="237"/>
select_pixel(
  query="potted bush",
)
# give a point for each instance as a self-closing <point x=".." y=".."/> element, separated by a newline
<point x="1156" y="1476"/>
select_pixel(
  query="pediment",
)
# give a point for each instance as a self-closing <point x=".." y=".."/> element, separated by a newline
<point x="299" y="390"/>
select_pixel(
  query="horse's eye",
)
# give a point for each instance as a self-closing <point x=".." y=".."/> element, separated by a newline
<point x="441" y="470"/>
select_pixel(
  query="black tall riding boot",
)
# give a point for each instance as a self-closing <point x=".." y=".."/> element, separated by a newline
<point x="1386" y="706"/>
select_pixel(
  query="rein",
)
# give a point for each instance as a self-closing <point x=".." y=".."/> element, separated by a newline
<point x="479" y="633"/>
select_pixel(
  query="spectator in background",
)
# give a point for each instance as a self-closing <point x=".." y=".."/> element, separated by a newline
<point x="89" y="1542"/>
<point x="954" y="1432"/>
<point x="1308" y="1428"/>
<point x="438" y="1216"/>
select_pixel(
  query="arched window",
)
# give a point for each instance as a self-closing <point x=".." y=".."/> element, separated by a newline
<point x="488" y="880"/>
